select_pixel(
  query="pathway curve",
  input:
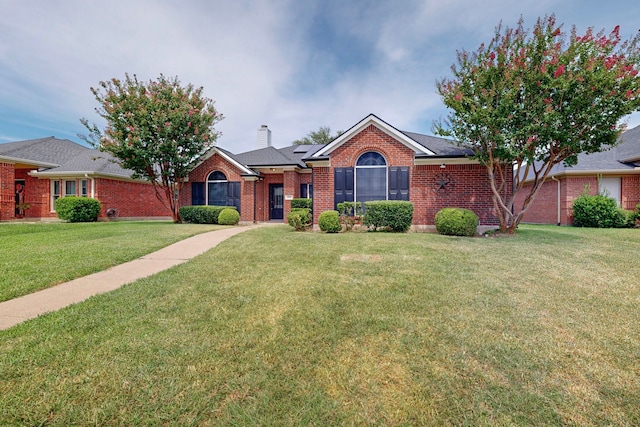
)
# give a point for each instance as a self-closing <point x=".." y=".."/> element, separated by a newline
<point x="27" y="307"/>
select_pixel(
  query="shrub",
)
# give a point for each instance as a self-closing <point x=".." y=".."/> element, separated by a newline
<point x="626" y="219"/>
<point x="302" y="204"/>
<point x="350" y="213"/>
<point x="596" y="211"/>
<point x="202" y="214"/>
<point x="329" y="221"/>
<point x="299" y="218"/>
<point x="456" y="222"/>
<point x="395" y="215"/>
<point x="229" y="216"/>
<point x="77" y="209"/>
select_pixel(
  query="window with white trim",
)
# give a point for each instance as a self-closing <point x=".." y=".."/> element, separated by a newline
<point x="371" y="177"/>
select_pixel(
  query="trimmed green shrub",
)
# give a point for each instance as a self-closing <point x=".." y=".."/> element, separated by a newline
<point x="229" y="216"/>
<point x="597" y="211"/>
<point x="395" y="215"/>
<point x="202" y="214"/>
<point x="456" y="222"/>
<point x="329" y="222"/>
<point x="350" y="208"/>
<point x="302" y="204"/>
<point x="626" y="219"/>
<point x="300" y="218"/>
<point x="350" y="213"/>
<point x="77" y="209"/>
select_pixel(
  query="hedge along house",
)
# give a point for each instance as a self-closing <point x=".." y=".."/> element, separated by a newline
<point x="34" y="173"/>
<point x="370" y="161"/>
<point x="615" y="172"/>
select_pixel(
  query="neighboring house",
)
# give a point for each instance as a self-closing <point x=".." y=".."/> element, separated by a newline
<point x="38" y="171"/>
<point x="371" y="161"/>
<point x="615" y="172"/>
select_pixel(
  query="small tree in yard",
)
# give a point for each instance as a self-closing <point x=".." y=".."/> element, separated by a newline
<point x="157" y="129"/>
<point x="526" y="102"/>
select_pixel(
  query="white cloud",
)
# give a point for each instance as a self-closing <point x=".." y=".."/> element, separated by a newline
<point x="292" y="65"/>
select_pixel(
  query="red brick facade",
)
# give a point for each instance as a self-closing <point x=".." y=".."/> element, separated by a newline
<point x="433" y="182"/>
<point x="432" y="187"/>
<point x="564" y="190"/>
<point x="132" y="199"/>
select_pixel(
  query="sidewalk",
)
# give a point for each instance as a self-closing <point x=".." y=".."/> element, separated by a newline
<point x="33" y="305"/>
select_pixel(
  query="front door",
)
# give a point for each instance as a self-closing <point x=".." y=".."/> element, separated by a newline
<point x="276" y="201"/>
<point x="19" y="186"/>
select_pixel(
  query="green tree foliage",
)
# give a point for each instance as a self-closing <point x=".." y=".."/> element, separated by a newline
<point x="528" y="101"/>
<point x="156" y="129"/>
<point x="321" y="136"/>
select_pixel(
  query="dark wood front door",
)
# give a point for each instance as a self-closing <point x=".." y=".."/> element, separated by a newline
<point x="276" y="201"/>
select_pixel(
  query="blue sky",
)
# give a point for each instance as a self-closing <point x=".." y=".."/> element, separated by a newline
<point x="293" y="65"/>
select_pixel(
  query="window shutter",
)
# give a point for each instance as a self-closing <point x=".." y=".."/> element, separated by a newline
<point x="197" y="193"/>
<point x="399" y="183"/>
<point x="233" y="194"/>
<point x="342" y="185"/>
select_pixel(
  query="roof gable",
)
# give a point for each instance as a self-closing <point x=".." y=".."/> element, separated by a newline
<point x="385" y="127"/>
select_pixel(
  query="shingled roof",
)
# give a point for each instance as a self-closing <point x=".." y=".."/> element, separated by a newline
<point x="56" y="157"/>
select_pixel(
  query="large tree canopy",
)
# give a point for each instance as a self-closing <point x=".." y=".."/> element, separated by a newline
<point x="530" y="100"/>
<point x="321" y="136"/>
<point x="157" y="129"/>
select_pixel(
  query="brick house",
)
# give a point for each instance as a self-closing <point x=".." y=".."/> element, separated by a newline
<point x="36" y="172"/>
<point x="615" y="172"/>
<point x="370" y="161"/>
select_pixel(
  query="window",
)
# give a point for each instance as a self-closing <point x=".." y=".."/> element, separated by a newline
<point x="371" y="179"/>
<point x="84" y="188"/>
<point x="221" y="192"/>
<point x="55" y="194"/>
<point x="306" y="191"/>
<point x="69" y="188"/>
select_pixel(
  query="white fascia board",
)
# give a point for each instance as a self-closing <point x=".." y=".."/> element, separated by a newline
<point x="215" y="150"/>
<point x="383" y="126"/>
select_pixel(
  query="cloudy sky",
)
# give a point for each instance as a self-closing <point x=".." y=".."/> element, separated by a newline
<point x="294" y="65"/>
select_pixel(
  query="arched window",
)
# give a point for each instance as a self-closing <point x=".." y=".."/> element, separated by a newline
<point x="371" y="177"/>
<point x="217" y="189"/>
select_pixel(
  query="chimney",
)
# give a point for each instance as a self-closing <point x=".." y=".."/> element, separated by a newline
<point x="264" y="137"/>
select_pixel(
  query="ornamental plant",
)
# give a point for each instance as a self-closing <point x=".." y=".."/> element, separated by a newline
<point x="77" y="209"/>
<point x="456" y="222"/>
<point x="229" y="216"/>
<point x="527" y="101"/>
<point x="158" y="130"/>
<point x="329" y="222"/>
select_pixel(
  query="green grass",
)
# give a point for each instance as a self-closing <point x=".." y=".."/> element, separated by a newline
<point x="37" y="256"/>
<point x="274" y="327"/>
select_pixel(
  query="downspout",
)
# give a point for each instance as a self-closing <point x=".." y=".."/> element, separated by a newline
<point x="553" y="178"/>
<point x="255" y="205"/>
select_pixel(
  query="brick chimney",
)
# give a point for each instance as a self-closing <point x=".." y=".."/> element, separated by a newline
<point x="264" y="137"/>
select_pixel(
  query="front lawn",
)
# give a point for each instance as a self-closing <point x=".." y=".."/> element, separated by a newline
<point x="274" y="327"/>
<point x="40" y="255"/>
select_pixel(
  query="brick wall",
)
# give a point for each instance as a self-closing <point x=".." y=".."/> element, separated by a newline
<point x="218" y="163"/>
<point x="432" y="188"/>
<point x="7" y="191"/>
<point x="132" y="199"/>
<point x="544" y="208"/>
<point x="456" y="185"/>
<point x="630" y="192"/>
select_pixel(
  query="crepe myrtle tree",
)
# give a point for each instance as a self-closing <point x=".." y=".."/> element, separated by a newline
<point x="156" y="129"/>
<point x="530" y="100"/>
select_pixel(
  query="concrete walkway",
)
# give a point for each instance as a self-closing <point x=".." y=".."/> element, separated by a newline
<point x="33" y="305"/>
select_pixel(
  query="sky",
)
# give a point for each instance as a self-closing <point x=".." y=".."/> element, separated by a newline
<point x="294" y="65"/>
